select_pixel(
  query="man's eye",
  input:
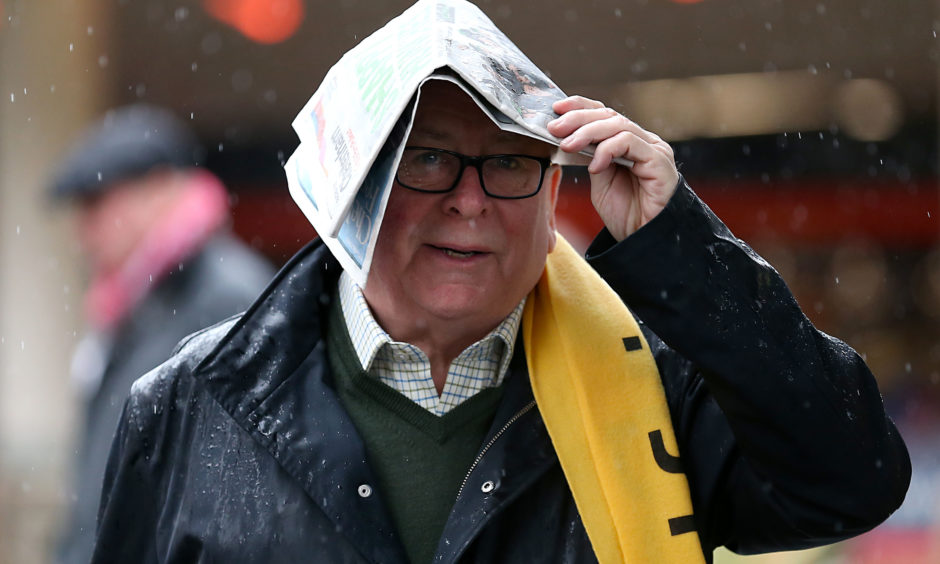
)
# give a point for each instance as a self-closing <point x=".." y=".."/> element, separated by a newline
<point x="428" y="159"/>
<point x="507" y="163"/>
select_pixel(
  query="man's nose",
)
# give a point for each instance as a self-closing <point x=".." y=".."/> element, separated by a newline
<point x="467" y="199"/>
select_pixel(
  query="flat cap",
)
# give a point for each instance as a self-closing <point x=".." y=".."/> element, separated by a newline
<point x="126" y="143"/>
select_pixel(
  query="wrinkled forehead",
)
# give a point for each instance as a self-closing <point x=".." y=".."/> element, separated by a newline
<point x="448" y="118"/>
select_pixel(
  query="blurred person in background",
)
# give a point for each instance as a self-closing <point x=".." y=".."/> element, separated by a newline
<point x="152" y="226"/>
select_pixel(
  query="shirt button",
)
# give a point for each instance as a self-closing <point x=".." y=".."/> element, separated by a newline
<point x="488" y="486"/>
<point x="365" y="490"/>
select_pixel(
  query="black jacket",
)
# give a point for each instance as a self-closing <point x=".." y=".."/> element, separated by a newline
<point x="237" y="449"/>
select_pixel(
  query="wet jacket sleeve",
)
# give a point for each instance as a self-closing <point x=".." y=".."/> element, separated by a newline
<point x="781" y="427"/>
<point x="127" y="517"/>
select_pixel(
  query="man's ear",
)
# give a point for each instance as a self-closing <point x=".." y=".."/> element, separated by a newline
<point x="553" y="177"/>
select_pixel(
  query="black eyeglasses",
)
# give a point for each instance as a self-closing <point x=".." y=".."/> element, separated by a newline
<point x="509" y="177"/>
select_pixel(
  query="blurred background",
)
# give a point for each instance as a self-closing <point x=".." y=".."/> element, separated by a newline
<point x="809" y="126"/>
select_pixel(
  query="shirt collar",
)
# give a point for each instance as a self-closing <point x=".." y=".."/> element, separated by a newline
<point x="368" y="337"/>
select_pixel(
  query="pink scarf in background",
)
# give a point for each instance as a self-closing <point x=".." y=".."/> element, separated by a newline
<point x="200" y="212"/>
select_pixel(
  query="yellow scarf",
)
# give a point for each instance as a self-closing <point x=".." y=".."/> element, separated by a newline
<point x="602" y="400"/>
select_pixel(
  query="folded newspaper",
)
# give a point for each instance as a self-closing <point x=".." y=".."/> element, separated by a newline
<point x="353" y="128"/>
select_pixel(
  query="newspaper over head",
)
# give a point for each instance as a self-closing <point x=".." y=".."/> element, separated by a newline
<point x="352" y="130"/>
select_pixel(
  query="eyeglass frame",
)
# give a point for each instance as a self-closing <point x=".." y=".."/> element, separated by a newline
<point x="476" y="162"/>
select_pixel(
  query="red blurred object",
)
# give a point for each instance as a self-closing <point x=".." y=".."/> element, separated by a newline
<point x="896" y="546"/>
<point x="823" y="212"/>
<point x="262" y="21"/>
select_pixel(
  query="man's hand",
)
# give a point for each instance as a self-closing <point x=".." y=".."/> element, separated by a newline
<point x="625" y="198"/>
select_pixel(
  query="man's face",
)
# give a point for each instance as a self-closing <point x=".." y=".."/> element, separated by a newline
<point x="461" y="255"/>
<point x="110" y="225"/>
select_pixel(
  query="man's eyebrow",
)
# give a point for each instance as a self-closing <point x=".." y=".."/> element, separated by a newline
<point x="431" y="133"/>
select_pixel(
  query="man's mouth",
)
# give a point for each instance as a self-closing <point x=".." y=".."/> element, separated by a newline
<point x="457" y="254"/>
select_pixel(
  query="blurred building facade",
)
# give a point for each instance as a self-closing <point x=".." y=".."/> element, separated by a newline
<point x="810" y="126"/>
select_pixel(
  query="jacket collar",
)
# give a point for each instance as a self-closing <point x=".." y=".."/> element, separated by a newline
<point x="275" y="335"/>
<point x="271" y="374"/>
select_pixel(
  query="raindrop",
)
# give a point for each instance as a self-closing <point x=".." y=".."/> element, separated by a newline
<point x="211" y="43"/>
<point x="90" y="30"/>
<point x="242" y="79"/>
<point x="12" y="97"/>
<point x="18" y="229"/>
<point x="220" y="147"/>
<point x="99" y="176"/>
<point x="181" y="14"/>
<point x="618" y="13"/>
<point x="71" y="47"/>
<point x="194" y="67"/>
<point x="103" y="61"/>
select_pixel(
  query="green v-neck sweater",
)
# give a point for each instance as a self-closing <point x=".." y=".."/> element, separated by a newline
<point x="419" y="459"/>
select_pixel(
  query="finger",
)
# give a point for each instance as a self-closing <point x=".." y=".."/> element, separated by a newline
<point x="594" y="128"/>
<point x="650" y="160"/>
<point x="564" y="125"/>
<point x="570" y="103"/>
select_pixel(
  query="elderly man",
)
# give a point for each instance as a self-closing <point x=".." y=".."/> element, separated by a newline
<point x="403" y="421"/>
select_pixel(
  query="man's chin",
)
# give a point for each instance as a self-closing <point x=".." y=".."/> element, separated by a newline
<point x="468" y="302"/>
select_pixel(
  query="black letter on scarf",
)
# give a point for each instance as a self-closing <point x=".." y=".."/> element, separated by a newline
<point x="632" y="344"/>
<point x="681" y="525"/>
<point x="673" y="465"/>
<point x="666" y="461"/>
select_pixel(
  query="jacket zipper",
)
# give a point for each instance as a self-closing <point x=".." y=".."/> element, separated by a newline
<point x="528" y="407"/>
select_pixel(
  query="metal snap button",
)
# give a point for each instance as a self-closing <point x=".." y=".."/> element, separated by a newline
<point x="488" y="486"/>
<point x="365" y="490"/>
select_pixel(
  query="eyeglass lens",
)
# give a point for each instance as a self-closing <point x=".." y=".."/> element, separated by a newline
<point x="435" y="170"/>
